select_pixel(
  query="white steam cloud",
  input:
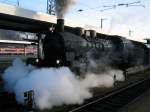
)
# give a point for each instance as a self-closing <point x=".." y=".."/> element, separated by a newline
<point x="54" y="86"/>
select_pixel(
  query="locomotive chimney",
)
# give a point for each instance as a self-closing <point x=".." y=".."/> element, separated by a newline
<point x="60" y="25"/>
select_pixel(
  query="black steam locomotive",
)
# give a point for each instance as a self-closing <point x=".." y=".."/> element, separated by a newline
<point x="86" y="49"/>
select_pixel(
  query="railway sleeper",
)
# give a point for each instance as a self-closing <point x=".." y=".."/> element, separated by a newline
<point x="109" y="108"/>
<point x="115" y="104"/>
<point x="103" y="107"/>
<point x="117" y="101"/>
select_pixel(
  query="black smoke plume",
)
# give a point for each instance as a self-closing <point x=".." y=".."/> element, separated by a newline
<point x="62" y="7"/>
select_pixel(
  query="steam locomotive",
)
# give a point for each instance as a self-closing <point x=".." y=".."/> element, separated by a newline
<point x="87" y="49"/>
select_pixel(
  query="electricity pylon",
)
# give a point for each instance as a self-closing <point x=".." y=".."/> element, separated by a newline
<point x="51" y="7"/>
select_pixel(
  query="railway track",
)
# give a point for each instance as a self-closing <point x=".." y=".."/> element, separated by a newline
<point x="114" y="101"/>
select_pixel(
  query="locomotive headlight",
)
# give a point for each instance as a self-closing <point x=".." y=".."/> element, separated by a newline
<point x="37" y="60"/>
<point x="58" y="61"/>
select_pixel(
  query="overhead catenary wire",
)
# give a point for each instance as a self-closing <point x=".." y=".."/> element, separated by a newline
<point x="103" y="7"/>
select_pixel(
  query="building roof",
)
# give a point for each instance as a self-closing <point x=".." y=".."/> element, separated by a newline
<point x="16" y="18"/>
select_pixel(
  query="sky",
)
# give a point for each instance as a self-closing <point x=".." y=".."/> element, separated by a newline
<point x="120" y="20"/>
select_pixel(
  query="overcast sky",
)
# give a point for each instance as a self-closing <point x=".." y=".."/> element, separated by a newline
<point x="118" y="20"/>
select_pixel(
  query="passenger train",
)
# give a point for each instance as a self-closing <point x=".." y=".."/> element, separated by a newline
<point x="10" y="49"/>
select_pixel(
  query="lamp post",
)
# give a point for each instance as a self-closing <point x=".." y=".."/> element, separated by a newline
<point x="130" y="33"/>
<point x="101" y="25"/>
<point x="18" y="3"/>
